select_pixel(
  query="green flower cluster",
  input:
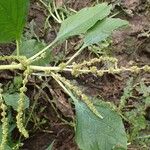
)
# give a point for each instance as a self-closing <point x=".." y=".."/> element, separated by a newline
<point x="12" y="58"/>
<point x="88" y="65"/>
<point x="21" y="102"/>
<point x="4" y="121"/>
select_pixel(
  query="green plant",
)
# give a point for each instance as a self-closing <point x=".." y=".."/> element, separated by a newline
<point x="135" y="113"/>
<point x="99" y="117"/>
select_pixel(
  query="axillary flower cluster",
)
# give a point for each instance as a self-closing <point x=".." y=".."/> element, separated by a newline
<point x="19" y="118"/>
<point x="4" y="121"/>
<point x="21" y="106"/>
<point x="89" y="67"/>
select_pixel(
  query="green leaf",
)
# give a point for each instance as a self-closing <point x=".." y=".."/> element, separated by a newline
<point x="29" y="48"/>
<point x="102" y="30"/>
<point x="93" y="133"/>
<point x="12" y="19"/>
<point x="12" y="100"/>
<point x="83" y="20"/>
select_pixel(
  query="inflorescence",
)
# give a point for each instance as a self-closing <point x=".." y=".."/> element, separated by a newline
<point x="21" y="105"/>
<point x="4" y="121"/>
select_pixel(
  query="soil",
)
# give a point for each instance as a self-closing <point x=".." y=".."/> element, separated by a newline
<point x="130" y="46"/>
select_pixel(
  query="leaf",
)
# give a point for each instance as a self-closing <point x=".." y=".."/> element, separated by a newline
<point x="17" y="82"/>
<point x="102" y="30"/>
<point x="12" y="19"/>
<point x="15" y="85"/>
<point x="29" y="48"/>
<point x="93" y="133"/>
<point x="12" y="100"/>
<point x="83" y="20"/>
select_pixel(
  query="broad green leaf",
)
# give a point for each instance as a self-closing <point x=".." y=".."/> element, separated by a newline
<point x="29" y="48"/>
<point x="93" y="133"/>
<point x="12" y="100"/>
<point x="12" y="19"/>
<point x="102" y="30"/>
<point x="83" y="20"/>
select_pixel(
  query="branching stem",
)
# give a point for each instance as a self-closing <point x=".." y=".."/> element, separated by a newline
<point x="31" y="59"/>
<point x="64" y="88"/>
<point x="59" y="69"/>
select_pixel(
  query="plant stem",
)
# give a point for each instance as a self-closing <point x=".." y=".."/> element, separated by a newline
<point x="64" y="88"/>
<point x="144" y="137"/>
<point x="31" y="59"/>
<point x="11" y="67"/>
<point x="50" y="11"/>
<point x="31" y="112"/>
<point x="17" y="47"/>
<point x="44" y="69"/>
<point x="41" y="68"/>
<point x="82" y="71"/>
<point x="55" y="9"/>
<point x="75" y="55"/>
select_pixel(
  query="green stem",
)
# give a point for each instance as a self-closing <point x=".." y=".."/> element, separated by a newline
<point x="75" y="55"/>
<point x="144" y="137"/>
<point x="55" y="9"/>
<point x="44" y="69"/>
<point x="50" y="11"/>
<point x="31" y="112"/>
<point x="31" y="59"/>
<point x="17" y="47"/>
<point x="11" y="67"/>
<point x="64" y="88"/>
<point x="82" y="71"/>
